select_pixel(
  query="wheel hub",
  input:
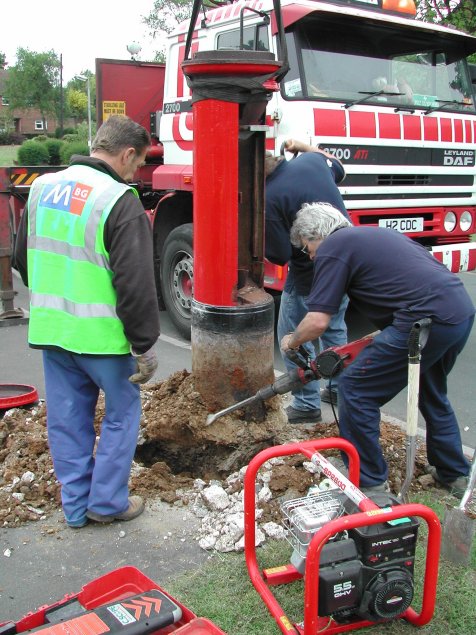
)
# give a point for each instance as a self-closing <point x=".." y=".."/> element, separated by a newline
<point x="183" y="282"/>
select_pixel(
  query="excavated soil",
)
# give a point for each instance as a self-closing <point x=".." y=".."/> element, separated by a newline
<point x="175" y="448"/>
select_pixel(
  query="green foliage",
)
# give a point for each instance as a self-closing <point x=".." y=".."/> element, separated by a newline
<point x="80" y="134"/>
<point x="71" y="137"/>
<point x="82" y="130"/>
<point x="54" y="150"/>
<point x="8" y="155"/>
<point x="10" y="137"/>
<point x="7" y="123"/>
<point x="458" y="13"/>
<point x="33" y="153"/>
<point x="82" y="86"/>
<point x="166" y="14"/>
<point x="77" y="103"/>
<point x="75" y="147"/>
<point x="34" y="82"/>
<point x="77" y="96"/>
<point x="160" y="56"/>
<point x="3" y="60"/>
<point x="59" y="132"/>
<point x="164" y="17"/>
<point x="41" y="138"/>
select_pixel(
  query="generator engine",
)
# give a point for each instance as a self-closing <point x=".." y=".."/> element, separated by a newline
<point x="366" y="572"/>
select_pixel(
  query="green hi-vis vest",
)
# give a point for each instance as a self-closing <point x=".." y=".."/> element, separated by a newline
<point x="72" y="299"/>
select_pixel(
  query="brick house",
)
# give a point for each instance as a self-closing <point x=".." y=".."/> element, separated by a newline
<point x="27" y="122"/>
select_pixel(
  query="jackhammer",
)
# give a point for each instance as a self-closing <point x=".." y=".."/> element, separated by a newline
<point x="326" y="365"/>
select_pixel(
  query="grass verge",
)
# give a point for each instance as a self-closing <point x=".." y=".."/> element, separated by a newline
<point x="8" y="154"/>
<point x="222" y="591"/>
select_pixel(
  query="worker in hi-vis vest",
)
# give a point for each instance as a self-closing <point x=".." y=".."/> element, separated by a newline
<point x="84" y="249"/>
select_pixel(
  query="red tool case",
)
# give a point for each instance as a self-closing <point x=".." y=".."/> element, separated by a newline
<point x="123" y="601"/>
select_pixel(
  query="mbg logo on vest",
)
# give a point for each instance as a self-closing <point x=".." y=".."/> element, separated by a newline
<point x="68" y="196"/>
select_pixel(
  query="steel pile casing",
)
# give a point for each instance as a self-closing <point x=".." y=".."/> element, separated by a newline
<point x="232" y="352"/>
<point x="232" y="315"/>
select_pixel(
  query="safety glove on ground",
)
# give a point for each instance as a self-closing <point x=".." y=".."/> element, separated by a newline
<point x="146" y="364"/>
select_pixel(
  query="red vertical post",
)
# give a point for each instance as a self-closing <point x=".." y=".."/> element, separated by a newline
<point x="215" y="160"/>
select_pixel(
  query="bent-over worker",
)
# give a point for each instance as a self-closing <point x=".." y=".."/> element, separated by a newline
<point x="394" y="282"/>
<point x="84" y="249"/>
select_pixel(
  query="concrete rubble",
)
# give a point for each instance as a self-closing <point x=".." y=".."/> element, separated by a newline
<point x="221" y="509"/>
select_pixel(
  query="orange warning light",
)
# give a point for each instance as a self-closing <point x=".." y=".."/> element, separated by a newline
<point x="400" y="6"/>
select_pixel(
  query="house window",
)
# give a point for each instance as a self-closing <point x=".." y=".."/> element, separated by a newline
<point x="39" y="125"/>
<point x="5" y="101"/>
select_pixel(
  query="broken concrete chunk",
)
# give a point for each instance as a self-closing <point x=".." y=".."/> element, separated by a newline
<point x="273" y="530"/>
<point x="215" y="497"/>
<point x="265" y="494"/>
<point x="207" y="542"/>
<point x="27" y="477"/>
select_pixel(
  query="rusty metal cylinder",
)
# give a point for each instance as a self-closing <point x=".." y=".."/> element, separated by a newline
<point x="232" y="351"/>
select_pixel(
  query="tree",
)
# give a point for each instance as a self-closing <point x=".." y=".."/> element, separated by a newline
<point x="35" y="82"/>
<point x="164" y="16"/>
<point x="458" y="13"/>
<point x="77" y="102"/>
<point x="76" y="96"/>
<point x="3" y="60"/>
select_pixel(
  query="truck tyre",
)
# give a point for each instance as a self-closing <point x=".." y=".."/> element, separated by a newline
<point x="176" y="275"/>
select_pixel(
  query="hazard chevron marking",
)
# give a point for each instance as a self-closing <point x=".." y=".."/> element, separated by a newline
<point x="18" y="178"/>
<point x="147" y="603"/>
<point x="24" y="178"/>
<point x="137" y="609"/>
<point x="147" y="606"/>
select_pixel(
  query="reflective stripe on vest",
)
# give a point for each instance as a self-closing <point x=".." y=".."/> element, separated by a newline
<point x="72" y="299"/>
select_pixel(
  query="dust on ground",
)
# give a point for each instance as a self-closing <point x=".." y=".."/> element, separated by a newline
<point x="175" y="447"/>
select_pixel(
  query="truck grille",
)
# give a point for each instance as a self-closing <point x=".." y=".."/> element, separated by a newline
<point x="403" y="179"/>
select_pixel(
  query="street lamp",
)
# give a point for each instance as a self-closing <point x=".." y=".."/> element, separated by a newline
<point x="134" y="49"/>
<point x="83" y="78"/>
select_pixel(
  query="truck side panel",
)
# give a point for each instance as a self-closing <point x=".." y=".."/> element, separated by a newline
<point x="129" y="87"/>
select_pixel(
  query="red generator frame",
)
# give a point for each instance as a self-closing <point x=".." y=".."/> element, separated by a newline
<point x="372" y="514"/>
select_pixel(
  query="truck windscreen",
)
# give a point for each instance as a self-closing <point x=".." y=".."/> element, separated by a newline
<point x="353" y="61"/>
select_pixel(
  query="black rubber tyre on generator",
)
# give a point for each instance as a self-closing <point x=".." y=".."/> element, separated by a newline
<point x="176" y="276"/>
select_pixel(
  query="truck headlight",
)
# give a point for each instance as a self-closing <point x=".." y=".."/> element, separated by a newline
<point x="465" y="221"/>
<point x="450" y="221"/>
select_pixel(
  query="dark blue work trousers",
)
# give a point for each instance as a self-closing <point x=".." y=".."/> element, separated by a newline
<point x="379" y="373"/>
<point x="93" y="476"/>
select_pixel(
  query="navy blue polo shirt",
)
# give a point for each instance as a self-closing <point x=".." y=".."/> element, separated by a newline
<point x="388" y="277"/>
<point x="309" y="178"/>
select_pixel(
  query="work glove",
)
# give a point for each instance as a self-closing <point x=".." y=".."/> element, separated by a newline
<point x="146" y="364"/>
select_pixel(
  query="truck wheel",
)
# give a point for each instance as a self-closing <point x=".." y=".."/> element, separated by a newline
<point x="176" y="275"/>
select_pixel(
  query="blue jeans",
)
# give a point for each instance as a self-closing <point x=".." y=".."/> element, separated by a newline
<point x="292" y="310"/>
<point x="379" y="373"/>
<point x="98" y="483"/>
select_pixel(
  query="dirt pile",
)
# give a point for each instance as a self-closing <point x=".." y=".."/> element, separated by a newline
<point x="175" y="448"/>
